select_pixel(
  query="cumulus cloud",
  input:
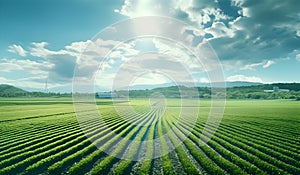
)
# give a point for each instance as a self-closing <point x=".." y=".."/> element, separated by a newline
<point x="244" y="30"/>
<point x="135" y="8"/>
<point x="33" y="74"/>
<point x="63" y="67"/>
<point x="195" y="12"/>
<point x="150" y="79"/>
<point x="58" y="66"/>
<point x="264" y="64"/>
<point x="17" y="49"/>
<point x="151" y="68"/>
<point x="219" y="29"/>
<point x="298" y="57"/>
<point x="268" y="30"/>
<point x="204" y="80"/>
<point x="178" y="53"/>
<point x="36" y="83"/>
<point x="30" y="66"/>
<point x="252" y="66"/>
<point x="298" y="33"/>
<point x="244" y="78"/>
<point x="245" y="34"/>
<point x="63" y="61"/>
<point x="39" y="50"/>
<point x="268" y="63"/>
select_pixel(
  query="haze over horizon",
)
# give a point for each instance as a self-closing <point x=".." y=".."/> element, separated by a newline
<point x="41" y="41"/>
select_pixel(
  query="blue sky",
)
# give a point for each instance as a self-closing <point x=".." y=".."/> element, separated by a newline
<point x="40" y="40"/>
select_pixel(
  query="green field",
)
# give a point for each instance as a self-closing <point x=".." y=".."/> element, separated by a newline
<point x="42" y="136"/>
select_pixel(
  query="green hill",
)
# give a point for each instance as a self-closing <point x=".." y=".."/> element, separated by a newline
<point x="241" y="92"/>
<point x="11" y="91"/>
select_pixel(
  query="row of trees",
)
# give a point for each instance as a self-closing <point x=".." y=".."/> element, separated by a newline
<point x="33" y="94"/>
<point x="255" y="92"/>
<point x="263" y="95"/>
<point x="245" y="92"/>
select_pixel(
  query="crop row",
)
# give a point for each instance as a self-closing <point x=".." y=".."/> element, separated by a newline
<point x="40" y="142"/>
<point x="45" y="151"/>
<point x="43" y="122"/>
<point x="255" y="152"/>
<point x="41" y="165"/>
<point x="233" y="149"/>
<point x="31" y="133"/>
<point x="60" y="165"/>
<point x="264" y="136"/>
<point x="270" y="131"/>
<point x="125" y="129"/>
<point x="132" y="142"/>
<point x="279" y="151"/>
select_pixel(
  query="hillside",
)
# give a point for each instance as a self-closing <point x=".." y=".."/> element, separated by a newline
<point x="228" y="84"/>
<point x="11" y="91"/>
<point x="240" y="92"/>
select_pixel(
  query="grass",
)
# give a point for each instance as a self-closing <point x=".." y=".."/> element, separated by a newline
<point x="42" y="136"/>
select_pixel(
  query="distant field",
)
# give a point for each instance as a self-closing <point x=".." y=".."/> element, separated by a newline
<point x="42" y="136"/>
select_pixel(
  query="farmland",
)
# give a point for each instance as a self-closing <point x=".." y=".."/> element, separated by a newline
<point x="42" y="136"/>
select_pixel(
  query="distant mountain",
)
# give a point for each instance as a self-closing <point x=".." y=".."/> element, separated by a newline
<point x="149" y="86"/>
<point x="59" y="89"/>
<point x="242" y="83"/>
<point x="228" y="84"/>
<point x="5" y="88"/>
<point x="11" y="91"/>
<point x="241" y="90"/>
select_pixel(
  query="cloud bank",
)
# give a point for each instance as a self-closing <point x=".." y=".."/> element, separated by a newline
<point x="246" y="30"/>
<point x="247" y="35"/>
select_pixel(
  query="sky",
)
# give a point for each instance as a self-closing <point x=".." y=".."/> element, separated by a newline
<point x="43" y="41"/>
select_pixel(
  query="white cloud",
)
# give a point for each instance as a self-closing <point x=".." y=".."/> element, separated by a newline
<point x="252" y="66"/>
<point x="298" y="33"/>
<point x="36" y="83"/>
<point x="150" y="79"/>
<point x="104" y="80"/>
<point x="125" y="51"/>
<point x="233" y="33"/>
<point x="78" y="47"/>
<point x="204" y="80"/>
<point x="298" y="57"/>
<point x="149" y="67"/>
<point x="136" y="8"/>
<point x="268" y="63"/>
<point x="218" y="29"/>
<point x="31" y="75"/>
<point x="32" y="67"/>
<point x="61" y="63"/>
<point x="179" y="53"/>
<point x="91" y="54"/>
<point x="198" y="12"/>
<point x="237" y="2"/>
<point x="58" y="65"/>
<point x="217" y="13"/>
<point x="17" y="49"/>
<point x="264" y="64"/>
<point x="246" y="12"/>
<point x="244" y="78"/>
<point x="39" y="50"/>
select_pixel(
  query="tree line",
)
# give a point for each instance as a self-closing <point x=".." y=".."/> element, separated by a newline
<point x="243" y="92"/>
